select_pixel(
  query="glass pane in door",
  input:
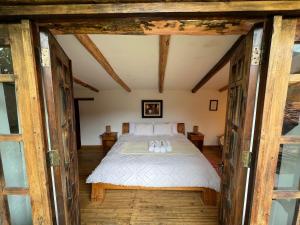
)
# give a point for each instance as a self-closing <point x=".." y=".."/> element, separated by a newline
<point x="295" y="68"/>
<point x="284" y="212"/>
<point x="19" y="210"/>
<point x="8" y="109"/>
<point x="291" y="126"/>
<point x="13" y="163"/>
<point x="6" y="66"/>
<point x="287" y="175"/>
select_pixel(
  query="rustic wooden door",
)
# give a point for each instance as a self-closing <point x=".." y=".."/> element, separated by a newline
<point x="58" y="90"/>
<point x="242" y="89"/>
<point x="276" y="189"/>
<point x="24" y="195"/>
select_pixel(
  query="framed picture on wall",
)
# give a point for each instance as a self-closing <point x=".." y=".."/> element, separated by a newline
<point x="152" y="108"/>
<point x="213" y="105"/>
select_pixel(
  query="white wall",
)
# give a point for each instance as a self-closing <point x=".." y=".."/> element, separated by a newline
<point x="117" y="106"/>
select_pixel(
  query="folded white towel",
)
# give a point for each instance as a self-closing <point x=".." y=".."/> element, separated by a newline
<point x="156" y="146"/>
<point x="151" y="146"/>
<point x="160" y="146"/>
<point x="169" y="147"/>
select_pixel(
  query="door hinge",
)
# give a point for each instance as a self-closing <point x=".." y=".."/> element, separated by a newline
<point x="45" y="57"/>
<point x="255" y="58"/>
<point x="53" y="158"/>
<point x="246" y="159"/>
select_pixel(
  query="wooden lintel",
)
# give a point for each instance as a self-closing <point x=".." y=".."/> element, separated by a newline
<point x="164" y="42"/>
<point x="90" y="46"/>
<point x="224" y="88"/>
<point x="216" y="7"/>
<point x="84" y="84"/>
<point x="152" y="26"/>
<point x="220" y="64"/>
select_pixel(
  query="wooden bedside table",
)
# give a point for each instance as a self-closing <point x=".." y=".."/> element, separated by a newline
<point x="108" y="140"/>
<point x="197" y="139"/>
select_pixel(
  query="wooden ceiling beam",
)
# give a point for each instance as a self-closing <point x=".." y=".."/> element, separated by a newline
<point x="224" y="88"/>
<point x="152" y="26"/>
<point x="84" y="84"/>
<point x="216" y="7"/>
<point x="164" y="42"/>
<point x="96" y="53"/>
<point x="220" y="64"/>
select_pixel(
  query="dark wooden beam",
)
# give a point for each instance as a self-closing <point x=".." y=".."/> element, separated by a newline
<point x="84" y="99"/>
<point x="220" y="64"/>
<point x="152" y="26"/>
<point x="223" y="88"/>
<point x="96" y="53"/>
<point x="164" y="42"/>
<point x="84" y="84"/>
<point x="150" y="8"/>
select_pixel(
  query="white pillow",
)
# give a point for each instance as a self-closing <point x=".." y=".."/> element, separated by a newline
<point x="131" y="128"/>
<point x="174" y="128"/>
<point x="163" y="129"/>
<point x="143" y="129"/>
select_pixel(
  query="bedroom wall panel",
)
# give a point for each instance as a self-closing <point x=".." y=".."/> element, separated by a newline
<point x="113" y="107"/>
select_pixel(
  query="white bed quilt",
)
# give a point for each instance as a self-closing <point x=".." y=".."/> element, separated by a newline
<point x="157" y="169"/>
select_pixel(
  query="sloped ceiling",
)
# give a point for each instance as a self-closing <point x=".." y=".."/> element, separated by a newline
<point x="135" y="58"/>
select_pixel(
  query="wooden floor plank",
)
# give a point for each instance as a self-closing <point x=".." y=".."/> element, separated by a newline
<point x="139" y="207"/>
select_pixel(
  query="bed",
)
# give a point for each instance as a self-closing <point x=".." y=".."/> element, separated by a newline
<point x="129" y="165"/>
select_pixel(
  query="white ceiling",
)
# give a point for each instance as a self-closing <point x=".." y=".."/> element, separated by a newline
<point x="135" y="58"/>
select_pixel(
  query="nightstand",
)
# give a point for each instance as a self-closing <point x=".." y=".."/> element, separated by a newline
<point x="197" y="139"/>
<point x="108" y="140"/>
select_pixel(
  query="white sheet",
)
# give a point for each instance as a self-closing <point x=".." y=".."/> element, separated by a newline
<point x="157" y="169"/>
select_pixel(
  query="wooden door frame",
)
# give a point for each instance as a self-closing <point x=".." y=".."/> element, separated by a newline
<point x="158" y="18"/>
<point x="274" y="84"/>
<point x="77" y="119"/>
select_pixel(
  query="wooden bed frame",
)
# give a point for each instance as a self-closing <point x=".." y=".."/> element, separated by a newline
<point x="209" y="196"/>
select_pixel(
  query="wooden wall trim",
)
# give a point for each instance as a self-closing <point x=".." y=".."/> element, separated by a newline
<point x="150" y="8"/>
<point x="277" y="79"/>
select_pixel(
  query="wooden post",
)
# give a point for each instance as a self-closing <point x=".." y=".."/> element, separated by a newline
<point x="271" y="117"/>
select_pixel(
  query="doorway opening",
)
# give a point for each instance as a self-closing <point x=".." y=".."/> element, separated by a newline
<point x="230" y="53"/>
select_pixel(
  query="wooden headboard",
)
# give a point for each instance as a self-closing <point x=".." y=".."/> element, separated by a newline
<point x="180" y="128"/>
